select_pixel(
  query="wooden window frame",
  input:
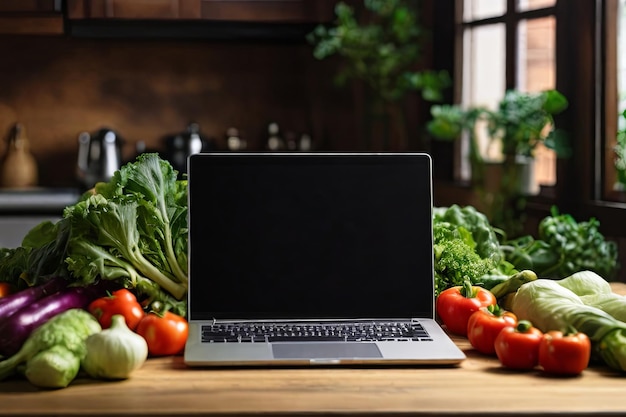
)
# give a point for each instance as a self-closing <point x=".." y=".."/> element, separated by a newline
<point x="586" y="55"/>
<point x="610" y="101"/>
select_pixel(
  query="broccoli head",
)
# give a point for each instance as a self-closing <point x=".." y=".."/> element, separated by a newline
<point x="456" y="259"/>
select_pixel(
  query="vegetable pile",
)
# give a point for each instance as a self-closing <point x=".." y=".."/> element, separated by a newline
<point x="466" y="247"/>
<point x="54" y="350"/>
<point x="564" y="247"/>
<point x="583" y="301"/>
<point x="131" y="231"/>
<point x="551" y="305"/>
<point x="108" y="280"/>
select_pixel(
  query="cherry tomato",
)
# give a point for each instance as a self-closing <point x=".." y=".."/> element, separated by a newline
<point x="455" y="305"/>
<point x="121" y="302"/>
<point x="564" y="353"/>
<point x="5" y="289"/>
<point x="518" y="347"/>
<point x="166" y="333"/>
<point x="484" y="326"/>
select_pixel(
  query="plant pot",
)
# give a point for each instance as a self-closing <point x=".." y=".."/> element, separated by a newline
<point x="527" y="185"/>
<point x="521" y="171"/>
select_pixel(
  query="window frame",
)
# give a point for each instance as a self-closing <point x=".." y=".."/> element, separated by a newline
<point x="586" y="57"/>
<point x="510" y="19"/>
<point x="608" y="53"/>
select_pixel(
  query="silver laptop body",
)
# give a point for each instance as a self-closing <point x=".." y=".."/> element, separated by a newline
<point x="312" y="259"/>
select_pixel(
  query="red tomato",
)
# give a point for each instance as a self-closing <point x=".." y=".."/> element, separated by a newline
<point x="455" y="305"/>
<point x="564" y="354"/>
<point x="121" y="302"/>
<point x="165" y="333"/>
<point x="518" y="347"/>
<point x="5" y="289"/>
<point x="484" y="326"/>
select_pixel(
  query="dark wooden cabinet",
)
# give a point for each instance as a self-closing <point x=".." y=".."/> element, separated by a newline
<point x="305" y="11"/>
<point x="30" y="6"/>
<point x="31" y="17"/>
<point x="281" y="20"/>
<point x="279" y="11"/>
<point x="133" y="9"/>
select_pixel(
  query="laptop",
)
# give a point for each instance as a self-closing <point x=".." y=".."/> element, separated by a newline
<point x="312" y="259"/>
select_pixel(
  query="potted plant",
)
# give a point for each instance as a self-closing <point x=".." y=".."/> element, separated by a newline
<point x="379" y="46"/>
<point x="515" y="128"/>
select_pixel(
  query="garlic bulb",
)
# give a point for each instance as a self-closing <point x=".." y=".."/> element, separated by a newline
<point x="116" y="352"/>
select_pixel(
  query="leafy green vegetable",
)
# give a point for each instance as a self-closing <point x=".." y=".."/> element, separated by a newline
<point x="526" y="252"/>
<point x="483" y="234"/>
<point x="52" y="368"/>
<point x="131" y="230"/>
<point x="162" y="207"/>
<point x="69" y="330"/>
<point x="455" y="258"/>
<point x="595" y="291"/>
<point x="466" y="247"/>
<point x="564" y="247"/>
<point x="39" y="257"/>
<point x="113" y="224"/>
<point x="551" y="306"/>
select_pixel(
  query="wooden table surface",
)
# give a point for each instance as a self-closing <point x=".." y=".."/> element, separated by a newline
<point x="479" y="386"/>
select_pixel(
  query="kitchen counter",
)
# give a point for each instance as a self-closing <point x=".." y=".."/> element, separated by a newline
<point x="479" y="386"/>
<point x="37" y="200"/>
<point x="23" y="209"/>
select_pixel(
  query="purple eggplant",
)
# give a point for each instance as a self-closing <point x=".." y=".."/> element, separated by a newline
<point x="15" y="330"/>
<point x="15" y="302"/>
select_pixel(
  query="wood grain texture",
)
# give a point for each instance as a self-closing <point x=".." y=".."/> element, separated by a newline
<point x="146" y="89"/>
<point x="30" y="25"/>
<point x="478" y="387"/>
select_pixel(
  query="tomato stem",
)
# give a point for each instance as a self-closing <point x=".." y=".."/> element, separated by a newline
<point x="570" y="330"/>
<point x="523" y="326"/>
<point x="468" y="290"/>
<point x="495" y="310"/>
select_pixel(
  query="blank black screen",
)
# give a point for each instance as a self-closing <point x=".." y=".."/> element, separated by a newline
<point x="310" y="236"/>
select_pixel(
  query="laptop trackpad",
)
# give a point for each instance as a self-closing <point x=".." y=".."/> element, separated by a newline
<point x="325" y="350"/>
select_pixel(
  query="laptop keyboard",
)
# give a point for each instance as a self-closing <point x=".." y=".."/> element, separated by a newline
<point x="317" y="332"/>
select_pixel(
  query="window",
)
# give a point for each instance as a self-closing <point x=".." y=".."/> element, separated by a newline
<point x="615" y="95"/>
<point x="575" y="46"/>
<point x="507" y="44"/>
<point x="621" y="63"/>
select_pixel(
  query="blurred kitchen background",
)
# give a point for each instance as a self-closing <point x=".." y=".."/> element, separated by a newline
<point x="171" y="76"/>
<point x="148" y="80"/>
<point x="87" y="85"/>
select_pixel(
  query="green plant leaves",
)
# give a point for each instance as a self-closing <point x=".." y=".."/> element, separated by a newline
<point x="381" y="48"/>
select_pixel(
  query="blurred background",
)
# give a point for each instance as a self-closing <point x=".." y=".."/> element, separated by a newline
<point x="85" y="86"/>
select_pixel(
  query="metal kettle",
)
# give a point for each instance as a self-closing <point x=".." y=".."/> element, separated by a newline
<point x="180" y="146"/>
<point x="99" y="156"/>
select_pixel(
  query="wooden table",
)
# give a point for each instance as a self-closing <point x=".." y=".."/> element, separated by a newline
<point x="479" y="386"/>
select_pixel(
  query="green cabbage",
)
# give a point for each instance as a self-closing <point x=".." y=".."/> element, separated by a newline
<point x="551" y="306"/>
<point x="52" y="368"/>
<point x="68" y="330"/>
<point x="133" y="230"/>
<point x="595" y="291"/>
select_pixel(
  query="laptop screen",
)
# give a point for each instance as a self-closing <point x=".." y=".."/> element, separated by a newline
<point x="310" y="236"/>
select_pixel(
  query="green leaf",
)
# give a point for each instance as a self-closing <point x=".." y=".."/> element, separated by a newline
<point x="555" y="102"/>
<point x="378" y="48"/>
